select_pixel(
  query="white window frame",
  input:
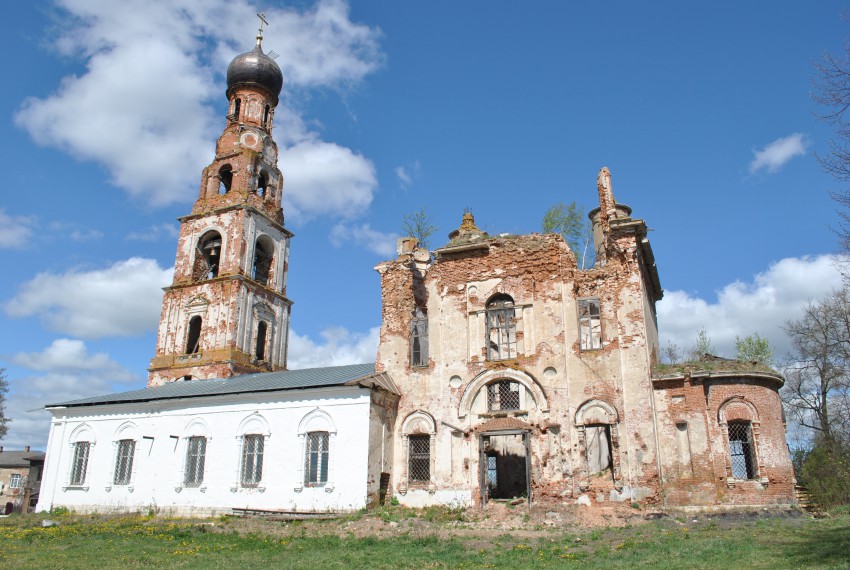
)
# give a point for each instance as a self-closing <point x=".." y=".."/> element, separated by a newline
<point x="318" y="420"/>
<point x="253" y="425"/>
<point x="15" y="480"/>
<point x="79" y="463"/>
<point x="126" y="432"/>
<point x="83" y="433"/>
<point x="586" y="324"/>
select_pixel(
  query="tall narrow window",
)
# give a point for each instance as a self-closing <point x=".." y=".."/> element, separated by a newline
<point x="589" y="324"/>
<point x="501" y="328"/>
<point x="502" y="395"/>
<point x="261" y="340"/>
<point x="252" y="460"/>
<point x="207" y="257"/>
<point x="419" y="458"/>
<point x="193" y="337"/>
<point x="266" y="113"/>
<point x="196" y="451"/>
<point x="262" y="260"/>
<point x="124" y="462"/>
<point x="225" y="179"/>
<point x="741" y="450"/>
<point x="15" y="480"/>
<point x="80" y="462"/>
<point x="262" y="184"/>
<point x="419" y="338"/>
<point x="316" y="460"/>
<point x="237" y="106"/>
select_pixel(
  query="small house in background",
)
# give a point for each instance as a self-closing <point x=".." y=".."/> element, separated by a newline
<point x="20" y="479"/>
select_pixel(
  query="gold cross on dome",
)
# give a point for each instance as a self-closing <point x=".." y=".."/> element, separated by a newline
<point x="262" y="17"/>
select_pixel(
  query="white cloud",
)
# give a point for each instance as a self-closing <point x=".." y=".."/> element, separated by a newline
<point x="774" y="156"/>
<point x="339" y="347"/>
<point x="740" y="309"/>
<point x="322" y="178"/>
<point x="383" y="244"/>
<point x="68" y="371"/>
<point x="85" y="235"/>
<point x="407" y="174"/>
<point x="121" y="300"/>
<point x="143" y="105"/>
<point x="154" y="233"/>
<point x="15" y="231"/>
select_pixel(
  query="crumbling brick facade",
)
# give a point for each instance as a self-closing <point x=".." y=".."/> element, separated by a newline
<point x="522" y="375"/>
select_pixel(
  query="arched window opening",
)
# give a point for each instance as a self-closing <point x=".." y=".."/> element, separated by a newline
<point x="207" y="256"/>
<point x="262" y="184"/>
<point x="419" y="338"/>
<point x="262" y="261"/>
<point x="237" y="106"/>
<point x="193" y="338"/>
<point x="225" y="179"/>
<point x="266" y="113"/>
<point x="741" y="450"/>
<point x="503" y="395"/>
<point x="419" y="459"/>
<point x="260" y="350"/>
<point x="316" y="459"/>
<point x="501" y="328"/>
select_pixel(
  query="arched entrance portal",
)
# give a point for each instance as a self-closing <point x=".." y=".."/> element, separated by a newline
<point x="505" y="460"/>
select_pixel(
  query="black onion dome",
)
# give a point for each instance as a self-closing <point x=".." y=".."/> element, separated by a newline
<point x="255" y="68"/>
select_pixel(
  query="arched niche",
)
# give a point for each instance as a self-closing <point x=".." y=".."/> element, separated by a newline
<point x="254" y="424"/>
<point x="316" y="420"/>
<point x="596" y="412"/>
<point x="737" y="408"/>
<point x="531" y="385"/>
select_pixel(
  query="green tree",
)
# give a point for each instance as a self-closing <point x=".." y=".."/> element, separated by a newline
<point x="570" y="221"/>
<point x="4" y="387"/>
<point x="702" y="346"/>
<point x="754" y="348"/>
<point x="419" y="225"/>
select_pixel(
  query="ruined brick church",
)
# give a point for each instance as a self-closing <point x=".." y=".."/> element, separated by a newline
<point x="504" y="371"/>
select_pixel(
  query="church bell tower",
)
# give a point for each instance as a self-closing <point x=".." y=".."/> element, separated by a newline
<point x="226" y="313"/>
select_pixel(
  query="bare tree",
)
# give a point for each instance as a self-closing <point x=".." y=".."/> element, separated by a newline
<point x="817" y="388"/>
<point x="672" y="352"/>
<point x="419" y="225"/>
<point x="832" y="93"/>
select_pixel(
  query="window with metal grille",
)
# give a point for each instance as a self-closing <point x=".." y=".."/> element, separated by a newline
<point x="419" y="339"/>
<point x="124" y="462"/>
<point x="419" y="458"/>
<point x="15" y="481"/>
<point x="196" y="452"/>
<point x="501" y="328"/>
<point x="741" y="450"/>
<point x="80" y="462"/>
<point x="316" y="460"/>
<point x="502" y="395"/>
<point x="589" y="324"/>
<point x="252" y="460"/>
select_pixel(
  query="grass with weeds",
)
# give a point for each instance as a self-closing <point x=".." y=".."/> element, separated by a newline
<point x="129" y="542"/>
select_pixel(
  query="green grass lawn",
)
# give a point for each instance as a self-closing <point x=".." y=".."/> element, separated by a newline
<point x="143" y="542"/>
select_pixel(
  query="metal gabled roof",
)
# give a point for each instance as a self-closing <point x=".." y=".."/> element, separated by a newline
<point x="328" y="376"/>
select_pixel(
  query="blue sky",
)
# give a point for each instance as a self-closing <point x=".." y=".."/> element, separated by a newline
<point x="702" y="112"/>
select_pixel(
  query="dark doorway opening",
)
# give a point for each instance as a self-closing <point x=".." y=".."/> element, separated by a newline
<point x="505" y="467"/>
